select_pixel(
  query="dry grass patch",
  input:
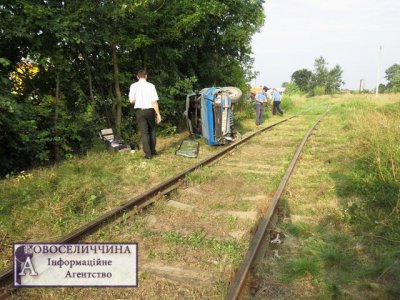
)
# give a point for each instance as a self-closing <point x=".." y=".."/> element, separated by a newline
<point x="151" y="287"/>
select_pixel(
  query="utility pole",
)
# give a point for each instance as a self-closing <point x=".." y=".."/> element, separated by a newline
<point x="378" y="71"/>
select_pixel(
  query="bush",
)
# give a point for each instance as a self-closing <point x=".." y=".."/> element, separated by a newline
<point x="291" y="88"/>
<point x="287" y="103"/>
<point x="319" y="91"/>
<point x="244" y="109"/>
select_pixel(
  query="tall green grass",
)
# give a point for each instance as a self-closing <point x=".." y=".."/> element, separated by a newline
<point x="374" y="188"/>
<point x="46" y="203"/>
<point x="353" y="250"/>
<point x="376" y="177"/>
<point x="287" y="103"/>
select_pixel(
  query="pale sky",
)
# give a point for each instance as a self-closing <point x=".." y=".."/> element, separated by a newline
<point x="344" y="32"/>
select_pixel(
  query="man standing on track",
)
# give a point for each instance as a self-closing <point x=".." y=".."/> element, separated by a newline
<point x="144" y="95"/>
<point x="260" y="99"/>
<point x="276" y="96"/>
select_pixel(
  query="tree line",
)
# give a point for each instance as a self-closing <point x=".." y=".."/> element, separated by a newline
<point x="325" y="81"/>
<point x="320" y="81"/>
<point x="66" y="66"/>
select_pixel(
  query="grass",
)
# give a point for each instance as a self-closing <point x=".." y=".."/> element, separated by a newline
<point x="287" y="103"/>
<point x="198" y="240"/>
<point x="199" y="176"/>
<point x="239" y="205"/>
<point x="298" y="229"/>
<point x="63" y="197"/>
<point x="299" y="267"/>
<point x="375" y="176"/>
<point x="343" y="198"/>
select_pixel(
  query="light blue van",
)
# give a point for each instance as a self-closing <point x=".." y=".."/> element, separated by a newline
<point x="209" y="114"/>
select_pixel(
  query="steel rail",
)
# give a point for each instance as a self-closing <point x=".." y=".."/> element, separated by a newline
<point x="238" y="282"/>
<point x="139" y="200"/>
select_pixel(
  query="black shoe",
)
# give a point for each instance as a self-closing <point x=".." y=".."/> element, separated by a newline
<point x="148" y="156"/>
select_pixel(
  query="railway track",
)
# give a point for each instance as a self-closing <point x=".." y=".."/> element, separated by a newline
<point x="215" y="213"/>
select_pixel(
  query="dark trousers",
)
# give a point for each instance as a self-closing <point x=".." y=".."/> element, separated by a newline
<point x="146" y="120"/>
<point x="259" y="114"/>
<point x="276" y="108"/>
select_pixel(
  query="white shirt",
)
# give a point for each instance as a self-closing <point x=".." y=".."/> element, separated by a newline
<point x="144" y="93"/>
<point x="269" y="94"/>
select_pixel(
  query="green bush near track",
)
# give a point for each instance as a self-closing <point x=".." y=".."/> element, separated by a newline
<point x="287" y="103"/>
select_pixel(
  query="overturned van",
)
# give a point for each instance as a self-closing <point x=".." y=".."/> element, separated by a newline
<point x="209" y="114"/>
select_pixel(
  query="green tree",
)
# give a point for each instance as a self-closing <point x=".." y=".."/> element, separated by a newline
<point x="382" y="88"/>
<point x="393" y="78"/>
<point x="302" y="78"/>
<point x="320" y="74"/>
<point x="334" y="80"/>
<point x="87" y="52"/>
<point x="322" y="77"/>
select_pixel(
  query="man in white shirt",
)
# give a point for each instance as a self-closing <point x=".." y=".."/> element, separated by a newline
<point x="144" y="95"/>
<point x="260" y="99"/>
<point x="277" y="101"/>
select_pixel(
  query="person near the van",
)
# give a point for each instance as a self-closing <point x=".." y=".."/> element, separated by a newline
<point x="260" y="98"/>
<point x="144" y="96"/>
<point x="276" y="96"/>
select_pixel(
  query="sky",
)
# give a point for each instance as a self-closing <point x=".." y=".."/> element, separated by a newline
<point x="348" y="33"/>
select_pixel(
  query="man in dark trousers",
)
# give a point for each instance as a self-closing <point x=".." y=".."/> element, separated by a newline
<point x="277" y="101"/>
<point x="260" y="99"/>
<point x="144" y="95"/>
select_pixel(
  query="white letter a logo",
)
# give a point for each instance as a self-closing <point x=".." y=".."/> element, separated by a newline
<point x="27" y="265"/>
